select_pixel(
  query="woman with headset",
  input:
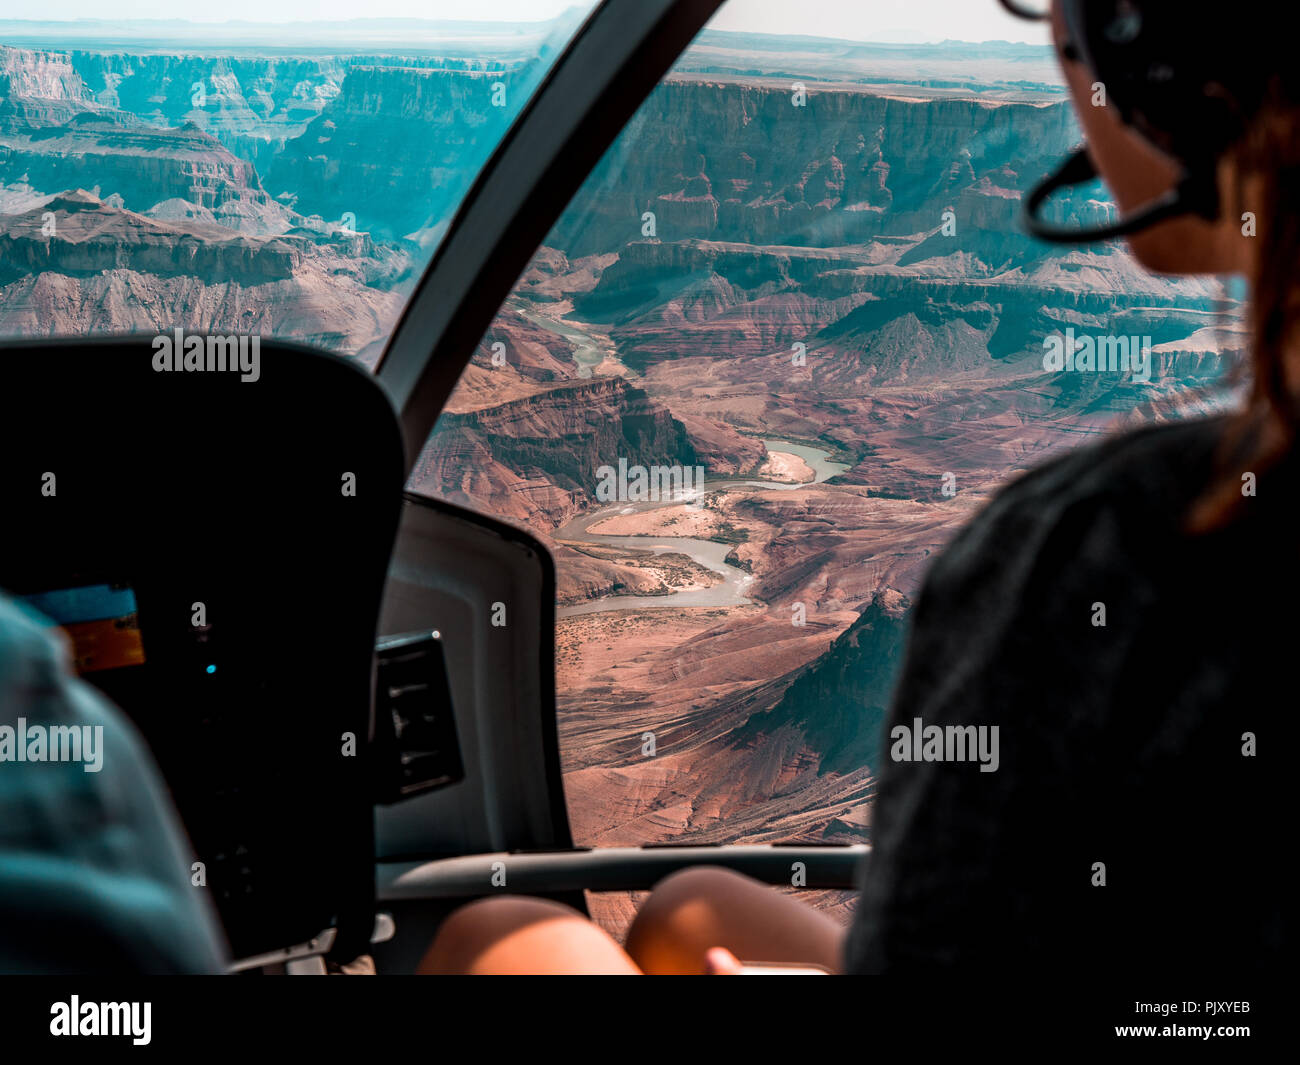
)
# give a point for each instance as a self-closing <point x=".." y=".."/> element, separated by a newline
<point x="1119" y="615"/>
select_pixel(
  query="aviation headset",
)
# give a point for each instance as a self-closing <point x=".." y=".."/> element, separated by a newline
<point x="1176" y="77"/>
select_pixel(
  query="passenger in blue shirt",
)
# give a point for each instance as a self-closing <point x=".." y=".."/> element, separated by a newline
<point x="94" y="867"/>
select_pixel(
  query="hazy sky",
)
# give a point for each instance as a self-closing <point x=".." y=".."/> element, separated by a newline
<point x="920" y="20"/>
<point x="865" y="20"/>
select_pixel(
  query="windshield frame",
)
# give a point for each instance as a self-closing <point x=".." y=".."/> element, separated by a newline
<point x="603" y="76"/>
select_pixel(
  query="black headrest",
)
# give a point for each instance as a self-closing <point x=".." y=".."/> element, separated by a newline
<point x="269" y="492"/>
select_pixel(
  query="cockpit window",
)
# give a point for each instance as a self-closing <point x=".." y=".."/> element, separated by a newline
<point x="783" y="343"/>
<point x="277" y="172"/>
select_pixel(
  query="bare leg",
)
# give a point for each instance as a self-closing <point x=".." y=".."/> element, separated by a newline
<point x="515" y="935"/>
<point x="696" y="909"/>
<point x="686" y="915"/>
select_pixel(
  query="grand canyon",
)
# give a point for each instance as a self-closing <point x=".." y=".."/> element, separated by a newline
<point x="800" y="268"/>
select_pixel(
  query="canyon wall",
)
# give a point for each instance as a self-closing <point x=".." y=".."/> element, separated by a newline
<point x="534" y="459"/>
<point x="737" y="161"/>
<point x="398" y="147"/>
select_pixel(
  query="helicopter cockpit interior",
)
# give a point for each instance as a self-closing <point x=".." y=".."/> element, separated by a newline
<point x="317" y="659"/>
<point x="505" y="456"/>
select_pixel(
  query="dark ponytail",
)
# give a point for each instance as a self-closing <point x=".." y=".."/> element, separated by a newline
<point x="1264" y="433"/>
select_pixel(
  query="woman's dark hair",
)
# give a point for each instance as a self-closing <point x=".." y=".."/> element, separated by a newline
<point x="1264" y="433"/>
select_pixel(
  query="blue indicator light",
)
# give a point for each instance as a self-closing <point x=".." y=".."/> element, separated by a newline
<point x="212" y="669"/>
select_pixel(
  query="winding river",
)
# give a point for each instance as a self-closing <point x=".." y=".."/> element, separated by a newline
<point x="708" y="553"/>
<point x="588" y="353"/>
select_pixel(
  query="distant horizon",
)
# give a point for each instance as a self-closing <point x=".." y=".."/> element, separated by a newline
<point x="879" y="22"/>
<point x="256" y="27"/>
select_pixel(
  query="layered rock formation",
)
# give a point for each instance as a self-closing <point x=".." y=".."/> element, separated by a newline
<point x="398" y="147"/>
<point x="534" y="459"/>
<point x="38" y="88"/>
<point x="143" y="166"/>
<point x="78" y="234"/>
<point x="177" y="230"/>
<point x="77" y="265"/>
<point x="839" y="705"/>
<point x="738" y="161"/>
<point x="243" y="96"/>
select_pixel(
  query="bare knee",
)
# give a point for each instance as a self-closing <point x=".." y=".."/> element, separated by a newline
<point x="472" y="929"/>
<point x="699" y="884"/>
<point x="682" y="918"/>
<point x="519" y="934"/>
<point x="484" y="918"/>
<point x="696" y="909"/>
